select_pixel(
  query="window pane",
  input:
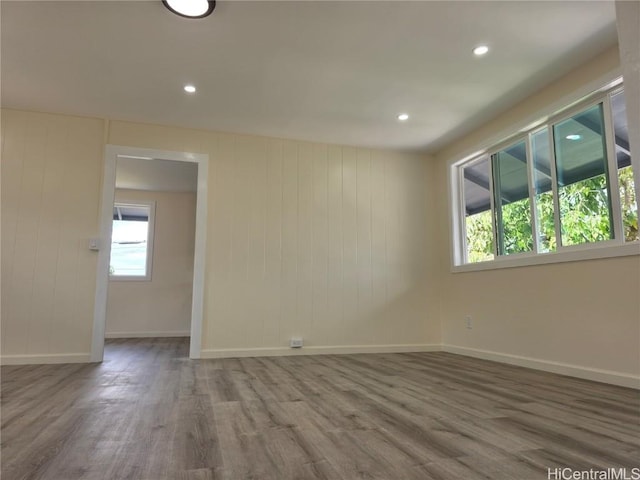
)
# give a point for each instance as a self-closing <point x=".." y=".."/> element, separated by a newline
<point x="628" y="200"/>
<point x="129" y="240"/>
<point x="511" y="199"/>
<point x="583" y="185"/>
<point x="477" y="202"/>
<point x="540" y="146"/>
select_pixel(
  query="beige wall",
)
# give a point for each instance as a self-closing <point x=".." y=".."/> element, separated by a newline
<point x="51" y="181"/>
<point x="329" y="243"/>
<point x="161" y="306"/>
<point x="583" y="313"/>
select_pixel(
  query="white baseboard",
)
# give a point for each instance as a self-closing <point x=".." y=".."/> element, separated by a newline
<point x="316" y="350"/>
<point x="44" y="359"/>
<point x="595" y="374"/>
<point x="178" y="333"/>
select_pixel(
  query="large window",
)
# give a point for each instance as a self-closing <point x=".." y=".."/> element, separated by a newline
<point x="132" y="241"/>
<point x="551" y="189"/>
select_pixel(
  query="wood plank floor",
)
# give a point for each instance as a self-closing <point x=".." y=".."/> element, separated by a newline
<point x="150" y="413"/>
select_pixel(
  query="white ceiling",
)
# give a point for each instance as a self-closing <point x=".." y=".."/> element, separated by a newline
<point x="157" y="175"/>
<point x="336" y="72"/>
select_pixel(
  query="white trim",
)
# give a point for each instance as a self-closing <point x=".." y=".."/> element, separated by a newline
<point x="112" y="152"/>
<point x="492" y="212"/>
<point x="175" y="333"/>
<point x="594" y="374"/>
<point x="104" y="254"/>
<point x="200" y="248"/>
<point x="457" y="223"/>
<point x="612" y="174"/>
<point x="531" y="179"/>
<point x="45" y="359"/>
<point x="572" y="254"/>
<point x="462" y="222"/>
<point x="459" y="256"/>
<point x="151" y="233"/>
<point x="320" y="350"/>
<point x="553" y="166"/>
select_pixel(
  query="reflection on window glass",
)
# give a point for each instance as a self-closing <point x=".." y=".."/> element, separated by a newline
<point x="129" y="240"/>
<point x="583" y="186"/>
<point x="477" y="200"/>
<point x="540" y="149"/>
<point x="511" y="198"/>
<point x="628" y="200"/>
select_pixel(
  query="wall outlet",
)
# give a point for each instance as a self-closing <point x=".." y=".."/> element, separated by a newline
<point x="467" y="322"/>
<point x="295" y="343"/>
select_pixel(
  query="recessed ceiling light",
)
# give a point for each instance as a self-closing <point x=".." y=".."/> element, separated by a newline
<point x="190" y="8"/>
<point x="190" y="89"/>
<point x="480" y="50"/>
<point x="573" y="136"/>
<point x="403" y="117"/>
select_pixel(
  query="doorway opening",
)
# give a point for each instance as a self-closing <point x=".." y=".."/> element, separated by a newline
<point x="150" y="279"/>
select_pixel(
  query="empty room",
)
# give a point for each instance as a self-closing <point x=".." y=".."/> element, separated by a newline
<point x="339" y="240"/>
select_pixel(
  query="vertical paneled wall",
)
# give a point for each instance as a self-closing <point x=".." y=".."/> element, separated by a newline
<point x="327" y="243"/>
<point x="51" y="181"/>
<point x="334" y="244"/>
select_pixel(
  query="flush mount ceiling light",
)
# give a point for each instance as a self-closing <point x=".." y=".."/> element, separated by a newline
<point x="573" y="136"/>
<point x="403" y="117"/>
<point x="480" y="50"/>
<point x="191" y="8"/>
<point x="190" y="89"/>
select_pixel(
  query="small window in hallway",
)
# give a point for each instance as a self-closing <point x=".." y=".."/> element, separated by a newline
<point x="132" y="241"/>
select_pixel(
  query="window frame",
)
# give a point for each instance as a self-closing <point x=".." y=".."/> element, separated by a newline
<point x="463" y="218"/>
<point x="521" y="137"/>
<point x="607" y="248"/>
<point x="604" y="98"/>
<point x="147" y="277"/>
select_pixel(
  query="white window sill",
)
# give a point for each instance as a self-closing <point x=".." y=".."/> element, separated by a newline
<point x="129" y="278"/>
<point x="590" y="252"/>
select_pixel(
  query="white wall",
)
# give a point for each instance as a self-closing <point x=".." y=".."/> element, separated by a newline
<point x="161" y="306"/>
<point x="51" y="179"/>
<point x="581" y="318"/>
<point x="326" y="242"/>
